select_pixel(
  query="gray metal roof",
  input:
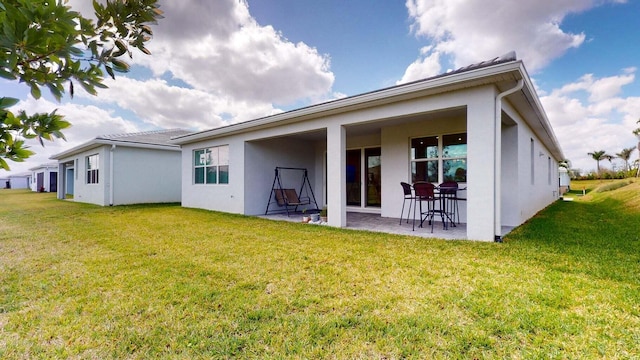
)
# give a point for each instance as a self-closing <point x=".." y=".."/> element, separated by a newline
<point x="157" y="137"/>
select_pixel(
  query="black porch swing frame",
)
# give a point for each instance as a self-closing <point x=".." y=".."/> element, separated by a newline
<point x="290" y="199"/>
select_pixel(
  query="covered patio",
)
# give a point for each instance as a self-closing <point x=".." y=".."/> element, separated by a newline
<point x="481" y="126"/>
<point x="374" y="222"/>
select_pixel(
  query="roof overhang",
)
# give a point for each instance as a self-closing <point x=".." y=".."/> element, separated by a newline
<point x="44" y="166"/>
<point x="502" y="75"/>
<point x="98" y="142"/>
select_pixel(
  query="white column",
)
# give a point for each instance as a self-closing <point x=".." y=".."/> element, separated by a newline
<point x="481" y="166"/>
<point x="62" y="181"/>
<point x="336" y="175"/>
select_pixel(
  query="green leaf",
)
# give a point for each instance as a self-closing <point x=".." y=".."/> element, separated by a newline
<point x="110" y="71"/>
<point x="6" y="102"/>
<point x="88" y="87"/>
<point x="6" y="75"/>
<point x="3" y="164"/>
<point x="35" y="91"/>
<point x="119" y="65"/>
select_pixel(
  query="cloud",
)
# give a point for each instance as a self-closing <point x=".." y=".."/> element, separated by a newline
<point x="469" y="31"/>
<point x="223" y="59"/>
<point x="217" y="47"/>
<point x="591" y="114"/>
<point x="163" y="105"/>
<point x="426" y="66"/>
<point x="601" y="89"/>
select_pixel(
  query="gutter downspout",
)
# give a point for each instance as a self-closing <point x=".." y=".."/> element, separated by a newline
<point x="113" y="147"/>
<point x="497" y="158"/>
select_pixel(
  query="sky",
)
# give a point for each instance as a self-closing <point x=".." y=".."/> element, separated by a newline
<point x="220" y="62"/>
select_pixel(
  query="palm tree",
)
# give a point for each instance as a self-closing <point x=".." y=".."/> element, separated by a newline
<point x="598" y="156"/>
<point x="625" y="155"/>
<point x="636" y="132"/>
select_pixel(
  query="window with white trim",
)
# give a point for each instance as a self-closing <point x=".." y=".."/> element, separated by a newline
<point x="549" y="170"/>
<point x="533" y="164"/>
<point x="211" y="165"/>
<point x="438" y="159"/>
<point x="92" y="169"/>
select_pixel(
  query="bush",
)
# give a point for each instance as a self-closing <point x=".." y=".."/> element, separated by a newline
<point x="612" y="186"/>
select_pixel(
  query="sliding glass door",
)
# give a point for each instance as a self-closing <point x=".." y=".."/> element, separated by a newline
<point x="372" y="161"/>
<point x="363" y="177"/>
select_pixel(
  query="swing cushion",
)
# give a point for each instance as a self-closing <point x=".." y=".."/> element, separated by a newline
<point x="289" y="197"/>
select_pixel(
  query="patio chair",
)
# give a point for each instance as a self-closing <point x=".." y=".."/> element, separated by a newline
<point x="408" y="195"/>
<point x="449" y="192"/>
<point x="425" y="191"/>
<point x="289" y="197"/>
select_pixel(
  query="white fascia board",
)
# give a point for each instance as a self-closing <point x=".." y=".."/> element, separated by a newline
<point x="543" y="120"/>
<point x="374" y="98"/>
<point x="95" y="143"/>
<point x="47" y="166"/>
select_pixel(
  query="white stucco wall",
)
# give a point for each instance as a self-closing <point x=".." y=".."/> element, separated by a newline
<point x="89" y="193"/>
<point x="19" y="181"/>
<point x="140" y="176"/>
<point x="527" y="197"/>
<point x="533" y="195"/>
<point x="46" y="177"/>
<point x="143" y="176"/>
<point x="220" y="197"/>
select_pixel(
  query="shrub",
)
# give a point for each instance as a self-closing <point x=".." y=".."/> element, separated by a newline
<point x="612" y="186"/>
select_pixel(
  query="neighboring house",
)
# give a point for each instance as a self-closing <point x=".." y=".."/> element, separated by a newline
<point x="564" y="180"/>
<point x="20" y="181"/>
<point x="482" y="125"/>
<point x="45" y="178"/>
<point x="122" y="169"/>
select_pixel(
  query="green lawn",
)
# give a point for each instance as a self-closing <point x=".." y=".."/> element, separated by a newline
<point x="161" y="281"/>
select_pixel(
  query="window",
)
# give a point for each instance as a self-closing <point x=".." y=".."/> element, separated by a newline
<point x="533" y="165"/>
<point x="92" y="169"/>
<point x="424" y="159"/>
<point x="454" y="157"/>
<point x="439" y="158"/>
<point x="211" y="165"/>
<point x="548" y="170"/>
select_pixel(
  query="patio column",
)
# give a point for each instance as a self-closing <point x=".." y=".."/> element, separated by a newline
<point x="481" y="165"/>
<point x="336" y="175"/>
<point x="62" y="178"/>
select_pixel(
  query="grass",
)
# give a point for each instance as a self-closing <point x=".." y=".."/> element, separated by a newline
<point x="161" y="281"/>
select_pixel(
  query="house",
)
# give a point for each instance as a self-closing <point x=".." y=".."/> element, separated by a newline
<point x="122" y="169"/>
<point x="482" y="126"/>
<point x="564" y="180"/>
<point x="45" y="177"/>
<point x="19" y="181"/>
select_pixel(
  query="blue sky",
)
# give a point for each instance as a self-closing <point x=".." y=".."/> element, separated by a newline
<point x="228" y="61"/>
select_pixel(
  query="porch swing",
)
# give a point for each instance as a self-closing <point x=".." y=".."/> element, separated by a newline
<point x="286" y="198"/>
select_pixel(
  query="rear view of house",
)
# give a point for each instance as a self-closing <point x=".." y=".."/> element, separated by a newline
<point x="482" y="126"/>
<point x="122" y="169"/>
<point x="44" y="178"/>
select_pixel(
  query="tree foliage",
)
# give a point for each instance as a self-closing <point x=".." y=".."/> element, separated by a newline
<point x="625" y="155"/>
<point x="599" y="156"/>
<point x="45" y="44"/>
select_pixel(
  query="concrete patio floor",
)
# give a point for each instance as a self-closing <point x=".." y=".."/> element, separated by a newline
<point x="375" y="222"/>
